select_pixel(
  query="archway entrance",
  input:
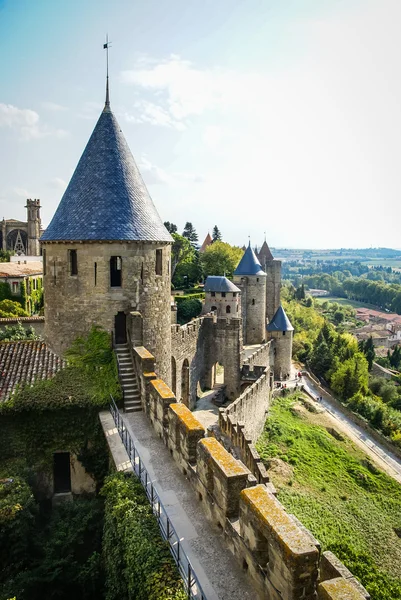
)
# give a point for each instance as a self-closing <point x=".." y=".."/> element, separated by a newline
<point x="120" y="328"/>
<point x="185" y="383"/>
<point x="173" y="376"/>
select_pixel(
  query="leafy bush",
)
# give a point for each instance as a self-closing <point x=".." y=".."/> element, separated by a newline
<point x="13" y="333"/>
<point x="66" y="558"/>
<point x="188" y="309"/>
<point x="137" y="561"/>
<point x="10" y="308"/>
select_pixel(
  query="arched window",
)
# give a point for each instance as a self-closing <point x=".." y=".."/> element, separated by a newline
<point x="253" y="301"/>
<point x="213" y="308"/>
<point x="228" y="309"/>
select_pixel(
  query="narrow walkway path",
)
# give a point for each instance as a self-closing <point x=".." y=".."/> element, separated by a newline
<point x="388" y="461"/>
<point x="205" y="549"/>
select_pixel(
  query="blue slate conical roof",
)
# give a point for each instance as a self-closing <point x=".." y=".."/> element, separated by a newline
<point x="106" y="198"/>
<point x="249" y="264"/>
<point x="280" y="321"/>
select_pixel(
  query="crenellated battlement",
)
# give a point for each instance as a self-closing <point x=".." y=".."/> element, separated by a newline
<point x="279" y="556"/>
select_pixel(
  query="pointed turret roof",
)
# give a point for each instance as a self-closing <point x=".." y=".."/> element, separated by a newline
<point x="280" y="321"/>
<point x="265" y="254"/>
<point x="106" y="198"/>
<point x="249" y="264"/>
<point x="208" y="240"/>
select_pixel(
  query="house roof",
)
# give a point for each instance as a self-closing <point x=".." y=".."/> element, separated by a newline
<point x="249" y="264"/>
<point x="14" y="269"/>
<point x="106" y="198"/>
<point x="216" y="283"/>
<point x="207" y="241"/>
<point x="280" y="321"/>
<point x="24" y="362"/>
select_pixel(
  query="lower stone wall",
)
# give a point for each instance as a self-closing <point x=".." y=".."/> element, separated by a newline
<point x="37" y="323"/>
<point x="278" y="555"/>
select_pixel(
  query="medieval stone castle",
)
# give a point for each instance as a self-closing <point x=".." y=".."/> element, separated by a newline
<point x="107" y="262"/>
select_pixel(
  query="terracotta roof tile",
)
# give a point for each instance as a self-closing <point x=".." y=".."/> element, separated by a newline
<point x="25" y="362"/>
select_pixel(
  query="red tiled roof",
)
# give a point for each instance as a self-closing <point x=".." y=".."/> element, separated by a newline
<point x="14" y="269"/>
<point x="25" y="362"/>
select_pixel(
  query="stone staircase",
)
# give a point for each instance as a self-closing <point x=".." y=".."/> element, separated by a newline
<point x="128" y="379"/>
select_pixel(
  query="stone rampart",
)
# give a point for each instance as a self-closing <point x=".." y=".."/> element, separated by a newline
<point x="280" y="557"/>
<point x="261" y="356"/>
<point x="251" y="407"/>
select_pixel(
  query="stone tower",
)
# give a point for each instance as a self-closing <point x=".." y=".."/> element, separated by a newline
<point x="272" y="268"/>
<point x="106" y="253"/>
<point x="251" y="280"/>
<point x="281" y="331"/>
<point x="33" y="218"/>
<point x="222" y="297"/>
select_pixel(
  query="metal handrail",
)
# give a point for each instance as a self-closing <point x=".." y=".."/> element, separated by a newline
<point x="186" y="570"/>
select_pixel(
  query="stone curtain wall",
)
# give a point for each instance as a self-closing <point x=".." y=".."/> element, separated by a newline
<point x="261" y="357"/>
<point x="204" y="342"/>
<point x="251" y="407"/>
<point x="278" y="555"/>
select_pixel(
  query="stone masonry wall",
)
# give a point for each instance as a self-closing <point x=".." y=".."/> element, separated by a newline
<point x="279" y="556"/>
<point x="198" y="346"/>
<point x="73" y="303"/>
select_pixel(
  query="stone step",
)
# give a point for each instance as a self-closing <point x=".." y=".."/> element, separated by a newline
<point x="129" y="397"/>
<point x="130" y="386"/>
<point x="129" y="379"/>
<point x="130" y="409"/>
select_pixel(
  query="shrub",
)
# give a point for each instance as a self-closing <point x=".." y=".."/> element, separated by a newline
<point x="137" y="561"/>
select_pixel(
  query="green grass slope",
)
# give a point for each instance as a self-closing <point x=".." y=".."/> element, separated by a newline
<point x="351" y="507"/>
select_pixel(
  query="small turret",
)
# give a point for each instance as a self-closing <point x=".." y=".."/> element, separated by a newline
<point x="281" y="331"/>
<point x="222" y="296"/>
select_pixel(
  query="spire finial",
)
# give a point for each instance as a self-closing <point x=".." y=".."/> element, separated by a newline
<point x="249" y="242"/>
<point x="265" y="235"/>
<point x="106" y="47"/>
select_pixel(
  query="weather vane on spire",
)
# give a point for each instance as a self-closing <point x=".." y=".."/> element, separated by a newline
<point x="106" y="47"/>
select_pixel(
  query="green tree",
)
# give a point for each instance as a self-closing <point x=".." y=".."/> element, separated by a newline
<point x="181" y="251"/>
<point x="216" y="234"/>
<point x="190" y="233"/>
<point x="12" y="333"/>
<point x="351" y="377"/>
<point x="188" y="309"/>
<point x="10" y="308"/>
<point x="220" y="258"/>
<point x="300" y="292"/>
<point x="171" y="227"/>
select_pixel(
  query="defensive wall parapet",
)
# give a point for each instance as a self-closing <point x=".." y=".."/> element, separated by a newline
<point x="280" y="557"/>
<point x="261" y="356"/>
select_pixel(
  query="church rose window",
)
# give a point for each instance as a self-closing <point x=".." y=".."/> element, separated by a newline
<point x="73" y="260"/>
<point x="115" y="271"/>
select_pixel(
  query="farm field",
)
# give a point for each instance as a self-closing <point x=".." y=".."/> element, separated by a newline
<point x="352" y="508"/>
<point x="346" y="301"/>
<point x="384" y="262"/>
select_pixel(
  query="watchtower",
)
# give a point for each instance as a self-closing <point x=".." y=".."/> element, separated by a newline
<point x="251" y="279"/>
<point x="106" y="253"/>
<point x="33" y="217"/>
<point x="272" y="269"/>
<point x="281" y="331"/>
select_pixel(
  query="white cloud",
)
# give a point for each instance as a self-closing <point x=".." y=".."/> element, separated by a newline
<point x="153" y="174"/>
<point x="21" y="192"/>
<point x="52" y="106"/>
<point x="57" y="183"/>
<point x="26" y="122"/>
<point x="148" y="112"/>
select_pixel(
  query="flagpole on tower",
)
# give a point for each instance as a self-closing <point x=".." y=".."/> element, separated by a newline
<point x="106" y="47"/>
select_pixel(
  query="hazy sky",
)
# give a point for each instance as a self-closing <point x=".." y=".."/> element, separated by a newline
<point x="281" y="116"/>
